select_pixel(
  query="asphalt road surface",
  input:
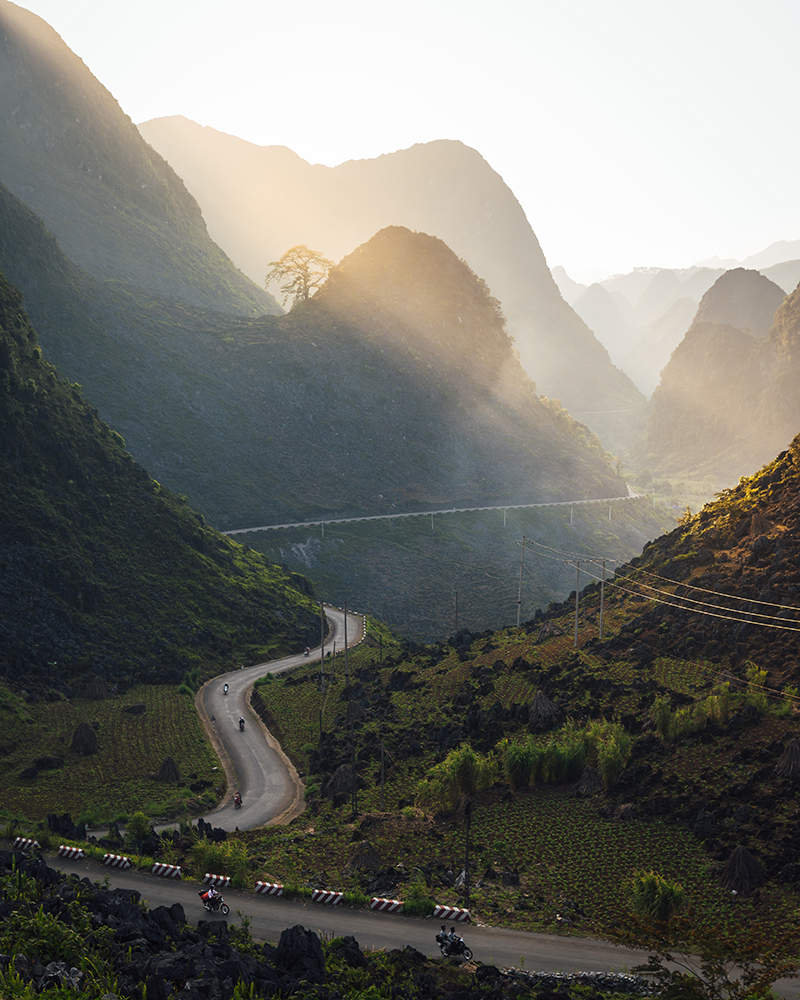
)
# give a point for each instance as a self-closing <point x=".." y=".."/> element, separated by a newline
<point x="267" y="781"/>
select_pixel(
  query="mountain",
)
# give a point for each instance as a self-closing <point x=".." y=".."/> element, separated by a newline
<point x="116" y="208"/>
<point x="570" y="290"/>
<point x="307" y="416"/>
<point x="775" y="253"/>
<point x="103" y="571"/>
<point x="645" y="361"/>
<point x="259" y="201"/>
<point x="602" y="314"/>
<point x="785" y="274"/>
<point x="733" y="367"/>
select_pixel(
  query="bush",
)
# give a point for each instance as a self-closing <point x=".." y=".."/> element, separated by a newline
<point x="418" y="901"/>
<point x="654" y="898"/>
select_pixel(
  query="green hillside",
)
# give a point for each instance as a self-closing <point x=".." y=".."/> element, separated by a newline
<point x="104" y="571"/>
<point x="684" y="710"/>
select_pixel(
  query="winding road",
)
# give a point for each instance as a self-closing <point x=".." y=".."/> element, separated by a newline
<point x="272" y="792"/>
<point x="253" y="760"/>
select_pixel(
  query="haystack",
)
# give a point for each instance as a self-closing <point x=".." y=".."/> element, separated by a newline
<point x="344" y="780"/>
<point x="84" y="739"/>
<point x="789" y="764"/>
<point x="168" y="771"/>
<point x="354" y="713"/>
<point x="760" y="525"/>
<point x="590" y="782"/>
<point x="365" y="858"/>
<point x="96" y="689"/>
<point x="548" y="631"/>
<point x="542" y="711"/>
<point x="743" y="872"/>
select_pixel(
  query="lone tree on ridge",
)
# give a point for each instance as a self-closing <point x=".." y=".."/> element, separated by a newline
<point x="301" y="272"/>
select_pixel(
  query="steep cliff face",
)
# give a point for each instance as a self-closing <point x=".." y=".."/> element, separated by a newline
<point x="442" y="188"/>
<point x="118" y="210"/>
<point x="728" y="397"/>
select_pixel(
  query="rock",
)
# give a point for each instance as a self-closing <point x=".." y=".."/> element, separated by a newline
<point x="300" y="953"/>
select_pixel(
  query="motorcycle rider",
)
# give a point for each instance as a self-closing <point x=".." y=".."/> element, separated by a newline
<point x="441" y="937"/>
<point x="225" y="689"/>
<point x="452" y="942"/>
<point x="209" y="896"/>
<point x="237" y="799"/>
<point x="241" y="723"/>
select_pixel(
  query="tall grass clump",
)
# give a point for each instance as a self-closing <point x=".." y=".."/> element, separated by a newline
<point x="603" y="744"/>
<point x="653" y="897"/>
<point x="756" y="682"/>
<point x="462" y="772"/>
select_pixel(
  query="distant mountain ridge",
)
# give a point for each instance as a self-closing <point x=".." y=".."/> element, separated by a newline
<point x="117" y="209"/>
<point x="644" y="315"/>
<point x="442" y="188"/>
<point x="730" y="395"/>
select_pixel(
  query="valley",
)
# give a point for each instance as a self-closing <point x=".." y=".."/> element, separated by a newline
<point x="562" y="521"/>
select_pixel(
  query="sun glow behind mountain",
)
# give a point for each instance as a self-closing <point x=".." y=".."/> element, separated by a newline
<point x="616" y="125"/>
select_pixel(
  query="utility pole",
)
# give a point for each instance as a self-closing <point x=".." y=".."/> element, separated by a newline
<point x="321" y="641"/>
<point x="382" y="777"/>
<point x="577" y="598"/>
<point x="346" y="671"/>
<point x="456" y="628"/>
<point x="519" y="592"/>
<point x="468" y="819"/>
<point x="602" y="596"/>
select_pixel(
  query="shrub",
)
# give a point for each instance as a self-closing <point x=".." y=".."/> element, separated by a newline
<point x="756" y="680"/>
<point x="418" y="901"/>
<point x="653" y="897"/>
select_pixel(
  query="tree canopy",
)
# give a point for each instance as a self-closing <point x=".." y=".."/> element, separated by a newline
<point x="300" y="271"/>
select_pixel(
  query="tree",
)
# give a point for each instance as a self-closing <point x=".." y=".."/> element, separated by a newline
<point x="694" y="958"/>
<point x="301" y="271"/>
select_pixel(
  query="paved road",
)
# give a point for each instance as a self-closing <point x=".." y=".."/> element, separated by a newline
<point x="270" y="915"/>
<point x="491" y="945"/>
<point x="255" y="764"/>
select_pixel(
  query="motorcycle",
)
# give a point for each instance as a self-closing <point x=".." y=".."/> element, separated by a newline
<point x="216" y="903"/>
<point x="237" y="801"/>
<point x="225" y="689"/>
<point x="307" y="651"/>
<point x="453" y="948"/>
<point x="241" y="725"/>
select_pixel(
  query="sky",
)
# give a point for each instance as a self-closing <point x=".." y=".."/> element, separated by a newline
<point x="634" y="133"/>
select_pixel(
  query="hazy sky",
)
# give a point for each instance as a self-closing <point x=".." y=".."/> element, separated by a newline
<point x="633" y="132"/>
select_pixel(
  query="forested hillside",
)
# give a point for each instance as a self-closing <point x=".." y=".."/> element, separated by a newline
<point x="103" y="571"/>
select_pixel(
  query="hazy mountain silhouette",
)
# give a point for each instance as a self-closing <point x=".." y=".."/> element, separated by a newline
<point x="258" y="201"/>
<point x="727" y="400"/>
<point x="117" y="209"/>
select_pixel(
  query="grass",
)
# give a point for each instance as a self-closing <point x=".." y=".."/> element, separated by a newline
<point x="117" y="780"/>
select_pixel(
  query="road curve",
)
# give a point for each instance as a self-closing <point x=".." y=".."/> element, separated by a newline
<point x="253" y="760"/>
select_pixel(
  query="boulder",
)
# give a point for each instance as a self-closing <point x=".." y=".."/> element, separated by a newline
<point x="299" y="953"/>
